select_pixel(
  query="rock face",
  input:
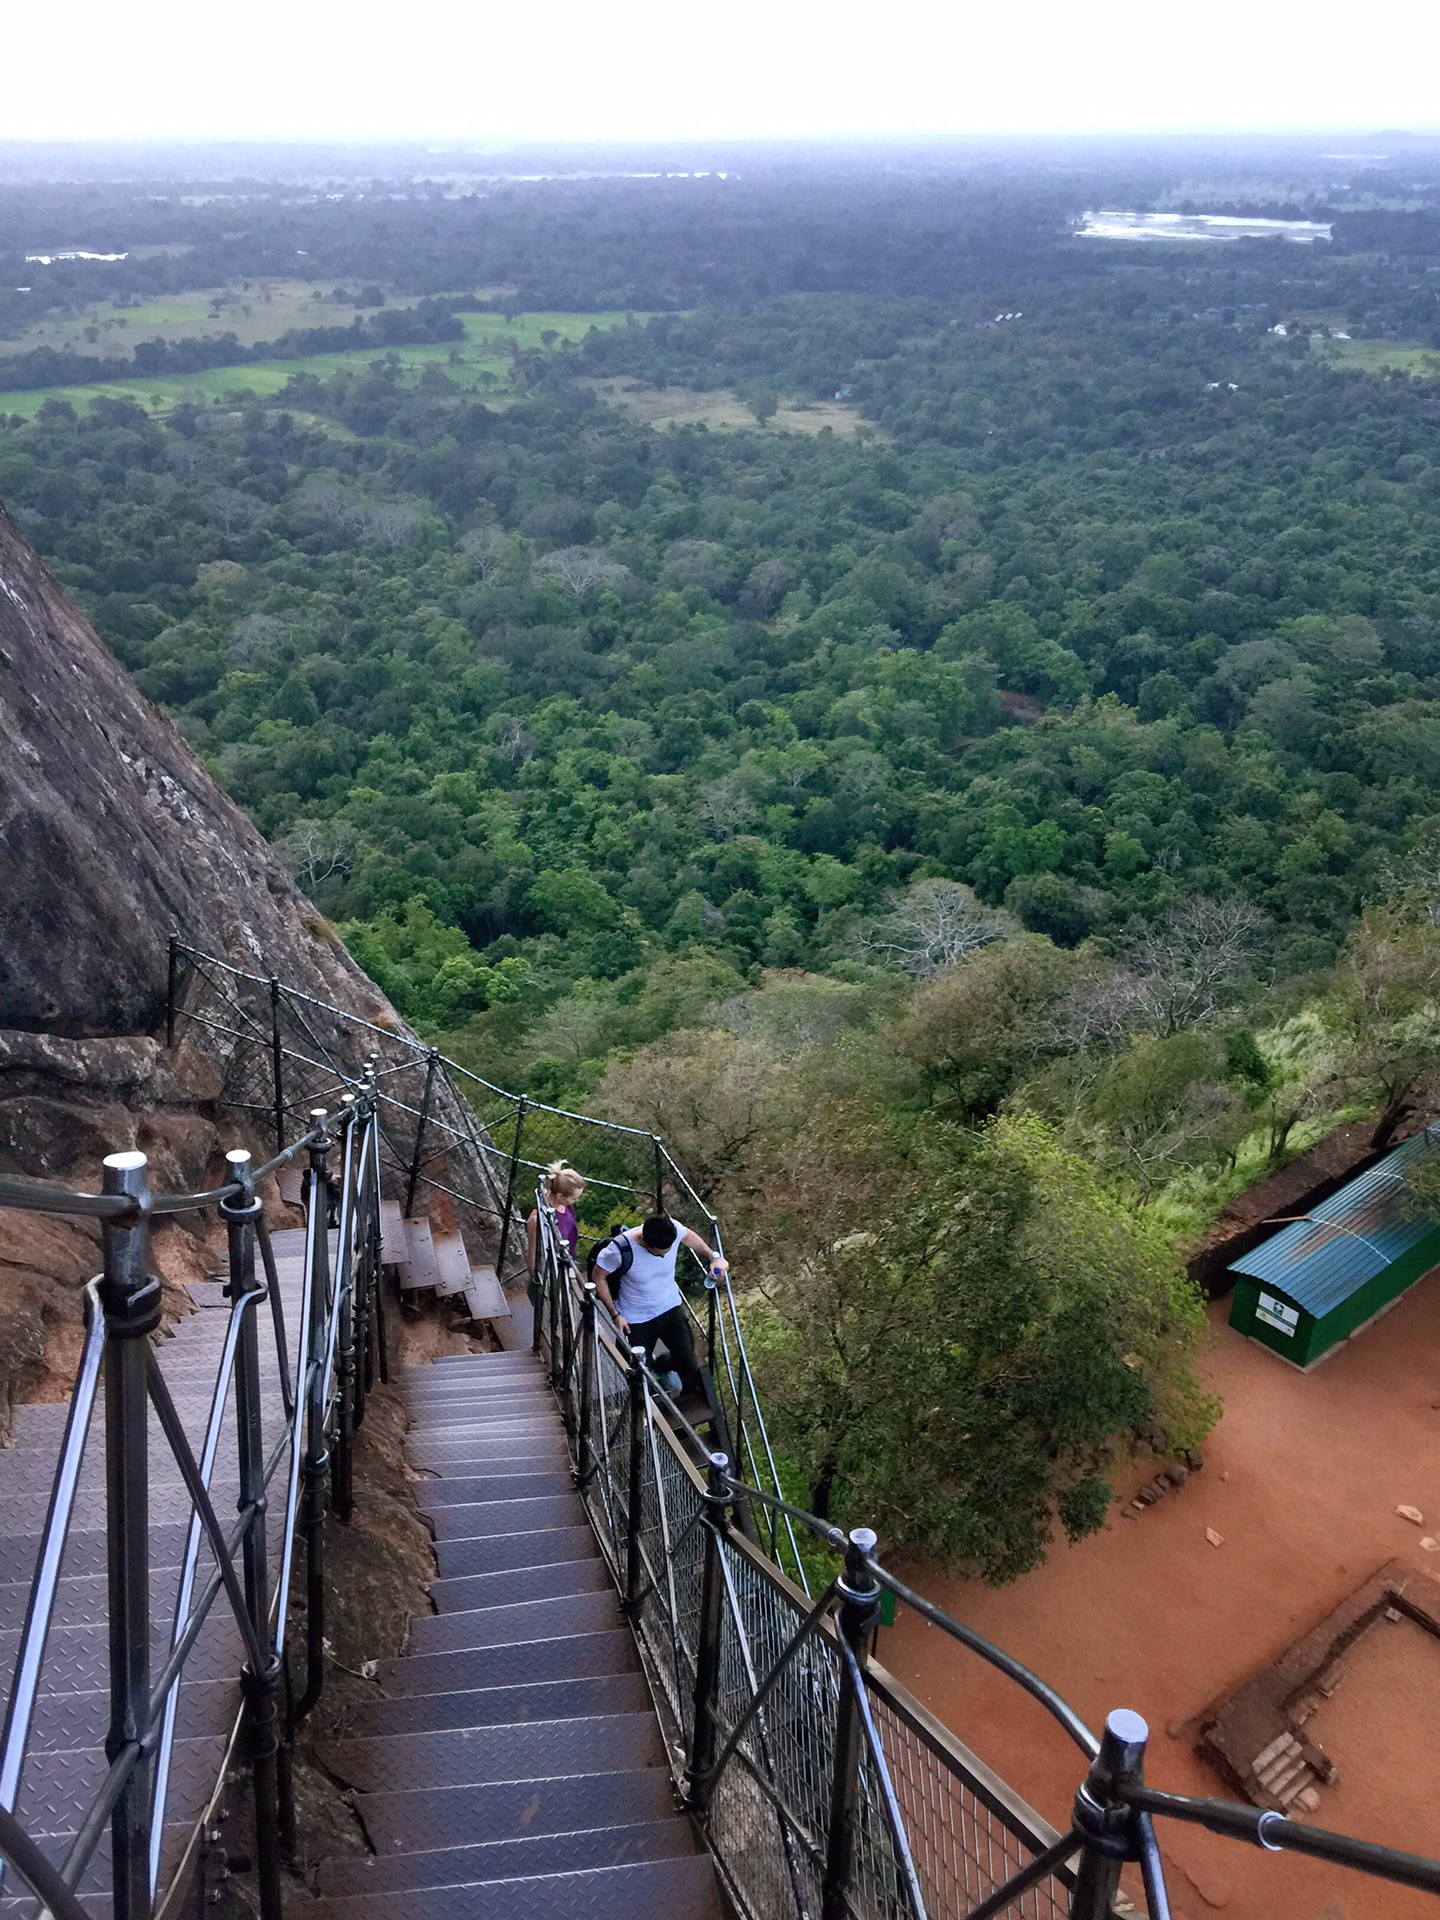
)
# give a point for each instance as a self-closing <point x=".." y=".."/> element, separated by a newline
<point x="112" y="836"/>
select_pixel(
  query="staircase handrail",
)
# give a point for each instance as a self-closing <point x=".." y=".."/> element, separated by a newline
<point x="322" y="1404"/>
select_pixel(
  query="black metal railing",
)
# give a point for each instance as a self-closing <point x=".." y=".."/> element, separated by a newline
<point x="321" y="1372"/>
<point x="444" y="1132"/>
<point x="825" y="1789"/>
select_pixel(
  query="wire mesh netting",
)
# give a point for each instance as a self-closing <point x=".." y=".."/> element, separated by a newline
<point x="769" y="1806"/>
<point x="964" y="1839"/>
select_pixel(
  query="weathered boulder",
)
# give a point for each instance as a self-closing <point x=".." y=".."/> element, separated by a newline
<point x="112" y="836"/>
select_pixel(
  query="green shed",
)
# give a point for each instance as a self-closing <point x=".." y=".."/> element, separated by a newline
<point x="1321" y="1279"/>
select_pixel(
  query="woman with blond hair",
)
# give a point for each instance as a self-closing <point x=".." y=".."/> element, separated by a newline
<point x="563" y="1188"/>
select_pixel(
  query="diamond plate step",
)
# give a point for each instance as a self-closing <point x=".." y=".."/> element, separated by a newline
<point x="518" y="1586"/>
<point x="514" y="1810"/>
<point x="658" y="1890"/>
<point x="423" y="1269"/>
<point x="61" y="1720"/>
<point x="506" y="1516"/>
<point x="604" y="1693"/>
<point x="477" y="1756"/>
<point x="471" y="1489"/>
<point x="574" y="1656"/>
<point x="499" y="1626"/>
<point x="509" y="1859"/>
<point x="446" y="1456"/>
<point x="457" y="1558"/>
<point x="485" y="1297"/>
<point x="452" y="1261"/>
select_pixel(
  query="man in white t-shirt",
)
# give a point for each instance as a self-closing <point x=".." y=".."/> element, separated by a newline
<point x="650" y="1308"/>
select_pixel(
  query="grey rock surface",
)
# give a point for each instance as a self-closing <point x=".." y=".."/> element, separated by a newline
<point x="112" y="835"/>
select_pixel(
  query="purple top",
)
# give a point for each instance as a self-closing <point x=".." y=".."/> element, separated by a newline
<point x="569" y="1229"/>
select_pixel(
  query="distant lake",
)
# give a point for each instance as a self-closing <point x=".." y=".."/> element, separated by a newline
<point x="1114" y="225"/>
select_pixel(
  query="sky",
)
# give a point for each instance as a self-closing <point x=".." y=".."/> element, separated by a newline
<point x="516" y="70"/>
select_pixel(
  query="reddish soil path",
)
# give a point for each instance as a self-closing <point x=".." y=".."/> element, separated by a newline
<point x="1302" y="1478"/>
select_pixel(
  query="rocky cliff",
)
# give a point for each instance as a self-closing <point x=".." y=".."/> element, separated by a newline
<point x="112" y="836"/>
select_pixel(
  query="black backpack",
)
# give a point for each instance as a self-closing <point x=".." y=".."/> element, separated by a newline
<point x="626" y="1245"/>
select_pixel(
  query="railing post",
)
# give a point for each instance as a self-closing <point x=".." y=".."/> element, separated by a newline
<point x="414" y="1180"/>
<point x="277" y="1065"/>
<point x="558" y="1283"/>
<point x="704" y="1722"/>
<point x="343" y="1464"/>
<point x="131" y="1299"/>
<point x="859" y="1616"/>
<point x="317" y="1459"/>
<point x="634" y="1562"/>
<point x="509" y="1212"/>
<point x="1107" y="1823"/>
<point x="260" y="1689"/>
<point x="586" y="1440"/>
<point x="659" y="1173"/>
<point x="172" y="981"/>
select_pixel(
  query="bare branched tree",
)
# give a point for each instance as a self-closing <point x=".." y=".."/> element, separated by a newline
<point x="484" y="550"/>
<point x="582" y="570"/>
<point x="316" y="850"/>
<point x="1180" y="973"/>
<point x="936" y="923"/>
<point x="231" y="510"/>
<point x="724" y="807"/>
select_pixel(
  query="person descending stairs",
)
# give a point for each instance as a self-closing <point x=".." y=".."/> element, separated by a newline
<point x="514" y="1765"/>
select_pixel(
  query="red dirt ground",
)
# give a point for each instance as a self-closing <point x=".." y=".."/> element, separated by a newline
<point x="1302" y="1478"/>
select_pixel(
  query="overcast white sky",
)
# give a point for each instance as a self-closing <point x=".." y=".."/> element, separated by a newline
<point x="635" y="69"/>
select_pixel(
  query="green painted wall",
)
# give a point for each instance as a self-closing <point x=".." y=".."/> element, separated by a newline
<point x="1245" y="1319"/>
<point x="1313" y="1338"/>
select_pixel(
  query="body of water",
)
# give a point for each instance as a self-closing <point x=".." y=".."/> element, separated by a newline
<point x="1111" y="224"/>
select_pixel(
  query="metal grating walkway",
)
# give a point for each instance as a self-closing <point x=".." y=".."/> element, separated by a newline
<point x="513" y="1765"/>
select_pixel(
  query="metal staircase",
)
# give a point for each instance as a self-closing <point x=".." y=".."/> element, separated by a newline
<point x="515" y="1765"/>
<point x="624" y="1622"/>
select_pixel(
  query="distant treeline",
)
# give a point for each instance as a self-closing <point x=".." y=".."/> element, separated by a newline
<point x="429" y="322"/>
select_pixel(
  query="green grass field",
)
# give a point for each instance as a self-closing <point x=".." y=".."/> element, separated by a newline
<point x="1380" y="356"/>
<point x="481" y="364"/>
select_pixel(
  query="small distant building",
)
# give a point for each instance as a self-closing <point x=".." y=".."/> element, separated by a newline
<point x="1321" y="1279"/>
<point x="845" y="393"/>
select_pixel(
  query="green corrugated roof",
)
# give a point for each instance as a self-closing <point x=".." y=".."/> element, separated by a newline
<point x="1348" y="1239"/>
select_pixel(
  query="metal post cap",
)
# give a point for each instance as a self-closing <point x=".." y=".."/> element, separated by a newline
<point x="129" y="1162"/>
<point x="1126" y="1726"/>
<point x="720" y="1462"/>
<point x="863" y="1539"/>
<point x="238" y="1157"/>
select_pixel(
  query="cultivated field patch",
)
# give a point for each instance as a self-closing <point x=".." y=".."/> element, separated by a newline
<point x="482" y="363"/>
<point x="684" y="407"/>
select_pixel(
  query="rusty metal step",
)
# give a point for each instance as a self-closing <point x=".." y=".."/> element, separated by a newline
<point x="478" y="1756"/>
<point x="509" y="1859"/>
<point x="513" y="1661"/>
<point x="602" y="1693"/>
<point x="656" y="1890"/>
<point x="499" y="1626"/>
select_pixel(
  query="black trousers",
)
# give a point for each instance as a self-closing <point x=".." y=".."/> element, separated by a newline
<point x="672" y="1331"/>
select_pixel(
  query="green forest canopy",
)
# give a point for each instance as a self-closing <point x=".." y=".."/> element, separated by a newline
<point x="1035" y="751"/>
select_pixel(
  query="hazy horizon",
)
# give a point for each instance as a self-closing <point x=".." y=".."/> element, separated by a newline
<point x="644" y="73"/>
